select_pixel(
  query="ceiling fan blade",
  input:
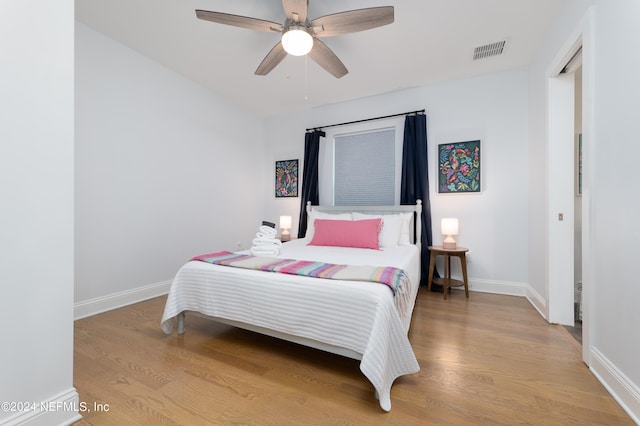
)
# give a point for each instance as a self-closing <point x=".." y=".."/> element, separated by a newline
<point x="296" y="10"/>
<point x="273" y="58"/>
<point x="239" y="21"/>
<point x="327" y="59"/>
<point x="352" y="21"/>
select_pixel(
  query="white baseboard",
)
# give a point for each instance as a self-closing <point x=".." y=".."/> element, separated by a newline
<point x="623" y="390"/>
<point x="537" y="301"/>
<point x="497" y="287"/>
<point x="62" y="409"/>
<point x="509" y="289"/>
<point x="98" y="305"/>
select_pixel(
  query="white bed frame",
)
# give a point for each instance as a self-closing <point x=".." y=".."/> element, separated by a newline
<point x="415" y="225"/>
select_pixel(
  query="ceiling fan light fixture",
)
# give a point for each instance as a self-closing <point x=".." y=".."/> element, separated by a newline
<point x="301" y="36"/>
<point x="297" y="41"/>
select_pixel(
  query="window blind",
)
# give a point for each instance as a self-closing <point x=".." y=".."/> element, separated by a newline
<point x="364" y="167"/>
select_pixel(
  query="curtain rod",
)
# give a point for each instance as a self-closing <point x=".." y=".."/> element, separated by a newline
<point x="367" y="119"/>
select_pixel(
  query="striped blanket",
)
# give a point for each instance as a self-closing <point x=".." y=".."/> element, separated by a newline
<point x="394" y="278"/>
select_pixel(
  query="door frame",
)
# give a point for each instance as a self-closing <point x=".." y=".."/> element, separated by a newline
<point x="560" y="186"/>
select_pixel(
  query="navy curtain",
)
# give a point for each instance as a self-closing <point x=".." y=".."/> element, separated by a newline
<point x="415" y="182"/>
<point x="309" y="177"/>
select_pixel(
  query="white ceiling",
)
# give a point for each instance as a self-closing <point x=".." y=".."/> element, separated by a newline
<point x="429" y="42"/>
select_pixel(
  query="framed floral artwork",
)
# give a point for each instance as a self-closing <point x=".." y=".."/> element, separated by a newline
<point x="286" y="178"/>
<point x="459" y="167"/>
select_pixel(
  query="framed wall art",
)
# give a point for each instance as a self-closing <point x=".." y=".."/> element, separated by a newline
<point x="459" y="167"/>
<point x="286" y="178"/>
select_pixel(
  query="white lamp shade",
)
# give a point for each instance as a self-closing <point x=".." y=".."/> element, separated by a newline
<point x="285" y="222"/>
<point x="449" y="226"/>
<point x="296" y="41"/>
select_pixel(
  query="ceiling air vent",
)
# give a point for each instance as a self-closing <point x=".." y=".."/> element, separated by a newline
<point x="487" y="50"/>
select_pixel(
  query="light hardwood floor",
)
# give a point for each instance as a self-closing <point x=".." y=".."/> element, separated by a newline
<point x="486" y="360"/>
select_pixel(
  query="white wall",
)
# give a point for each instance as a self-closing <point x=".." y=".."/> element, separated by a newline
<point x="284" y="140"/>
<point x="611" y="95"/>
<point x="492" y="108"/>
<point x="616" y="336"/>
<point x="165" y="169"/>
<point x="36" y="192"/>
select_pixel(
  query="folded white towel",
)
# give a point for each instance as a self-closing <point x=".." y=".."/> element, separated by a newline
<point x="265" y="251"/>
<point x="262" y="235"/>
<point x="267" y="230"/>
<point x="266" y="242"/>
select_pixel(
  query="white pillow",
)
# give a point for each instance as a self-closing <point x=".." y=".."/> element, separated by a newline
<point x="391" y="227"/>
<point x="308" y="236"/>
<point x="405" y="232"/>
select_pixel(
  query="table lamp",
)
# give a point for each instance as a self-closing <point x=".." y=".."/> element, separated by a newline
<point x="449" y="227"/>
<point x="285" y="225"/>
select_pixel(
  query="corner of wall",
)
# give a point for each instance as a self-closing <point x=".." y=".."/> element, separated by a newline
<point x="537" y="301"/>
<point x="106" y="303"/>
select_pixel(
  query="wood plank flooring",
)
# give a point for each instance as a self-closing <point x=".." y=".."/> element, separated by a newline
<point x="486" y="360"/>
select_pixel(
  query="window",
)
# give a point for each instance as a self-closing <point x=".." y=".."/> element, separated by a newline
<point x="364" y="168"/>
<point x="360" y="164"/>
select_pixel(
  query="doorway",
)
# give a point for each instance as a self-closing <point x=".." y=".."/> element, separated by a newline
<point x="568" y="195"/>
<point x="576" y="330"/>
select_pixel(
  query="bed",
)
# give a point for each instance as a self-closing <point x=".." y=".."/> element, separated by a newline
<point x="366" y="321"/>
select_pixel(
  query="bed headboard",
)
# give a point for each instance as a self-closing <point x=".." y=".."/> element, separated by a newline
<point x="416" y="209"/>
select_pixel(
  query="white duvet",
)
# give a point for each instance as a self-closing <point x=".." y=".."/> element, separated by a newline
<point x="358" y="316"/>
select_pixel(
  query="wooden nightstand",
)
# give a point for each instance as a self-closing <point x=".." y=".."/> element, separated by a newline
<point x="447" y="282"/>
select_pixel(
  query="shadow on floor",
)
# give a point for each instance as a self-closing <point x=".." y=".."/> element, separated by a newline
<point x="575" y="331"/>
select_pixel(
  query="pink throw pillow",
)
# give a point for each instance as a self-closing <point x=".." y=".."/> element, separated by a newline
<point x="347" y="233"/>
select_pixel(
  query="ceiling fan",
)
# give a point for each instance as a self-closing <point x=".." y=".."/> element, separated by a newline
<point x="300" y="35"/>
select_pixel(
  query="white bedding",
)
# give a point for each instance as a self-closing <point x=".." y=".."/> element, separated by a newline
<point x="358" y="316"/>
